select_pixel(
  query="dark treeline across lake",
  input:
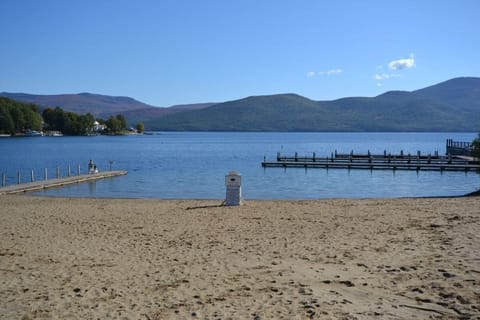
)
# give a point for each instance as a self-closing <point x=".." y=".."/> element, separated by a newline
<point x="173" y="165"/>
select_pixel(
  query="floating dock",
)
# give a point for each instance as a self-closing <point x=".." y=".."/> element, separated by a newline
<point x="377" y="162"/>
<point x="59" y="182"/>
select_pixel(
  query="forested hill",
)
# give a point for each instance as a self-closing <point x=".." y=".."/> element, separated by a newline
<point x="453" y="105"/>
<point x="102" y="106"/>
<point x="82" y="103"/>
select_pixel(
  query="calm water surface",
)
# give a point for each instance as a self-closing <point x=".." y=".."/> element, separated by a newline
<point x="193" y="165"/>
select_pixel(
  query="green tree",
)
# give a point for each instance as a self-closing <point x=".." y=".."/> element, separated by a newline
<point x="123" y="122"/>
<point x="113" y="125"/>
<point x="17" y="116"/>
<point x="68" y="122"/>
<point x="88" y="120"/>
<point x="116" y="125"/>
<point x="32" y="119"/>
<point x="54" y="119"/>
<point x="140" y="127"/>
<point x="476" y="147"/>
<point x="6" y="121"/>
<point x="49" y="118"/>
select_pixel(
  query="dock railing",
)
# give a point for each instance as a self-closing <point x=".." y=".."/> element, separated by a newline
<point x="32" y="184"/>
<point x="32" y="175"/>
<point x="459" y="148"/>
<point x="44" y="174"/>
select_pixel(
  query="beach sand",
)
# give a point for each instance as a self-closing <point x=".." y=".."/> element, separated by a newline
<point x="154" y="259"/>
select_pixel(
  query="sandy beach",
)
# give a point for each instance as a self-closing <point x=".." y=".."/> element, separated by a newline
<point x="155" y="259"/>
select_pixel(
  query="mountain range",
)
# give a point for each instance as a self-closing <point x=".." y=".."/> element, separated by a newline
<point x="453" y="105"/>
<point x="102" y="106"/>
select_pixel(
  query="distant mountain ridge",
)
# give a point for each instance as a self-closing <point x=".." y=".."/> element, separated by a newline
<point x="96" y="104"/>
<point x="453" y="105"/>
<point x="102" y="106"/>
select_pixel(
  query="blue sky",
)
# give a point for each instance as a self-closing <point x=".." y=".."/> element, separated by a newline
<point x="166" y="52"/>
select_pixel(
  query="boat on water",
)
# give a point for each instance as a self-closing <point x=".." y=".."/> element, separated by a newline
<point x="53" y="134"/>
<point x="33" y="133"/>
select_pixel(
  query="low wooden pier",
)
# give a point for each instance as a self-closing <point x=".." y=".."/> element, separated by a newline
<point x="377" y="162"/>
<point x="59" y="182"/>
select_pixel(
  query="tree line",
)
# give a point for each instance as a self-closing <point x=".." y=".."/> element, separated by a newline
<point x="476" y="146"/>
<point x="68" y="123"/>
<point x="18" y="117"/>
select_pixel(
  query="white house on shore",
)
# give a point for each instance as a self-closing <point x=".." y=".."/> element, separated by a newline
<point x="97" y="127"/>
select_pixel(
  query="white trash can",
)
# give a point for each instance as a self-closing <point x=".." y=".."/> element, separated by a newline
<point x="233" y="182"/>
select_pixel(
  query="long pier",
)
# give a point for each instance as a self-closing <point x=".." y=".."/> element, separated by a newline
<point x="59" y="182"/>
<point x="377" y="162"/>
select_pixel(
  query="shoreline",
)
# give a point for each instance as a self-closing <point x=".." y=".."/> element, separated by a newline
<point x="470" y="194"/>
<point x="408" y="258"/>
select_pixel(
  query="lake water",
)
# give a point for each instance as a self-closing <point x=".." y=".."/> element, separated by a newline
<point x="185" y="165"/>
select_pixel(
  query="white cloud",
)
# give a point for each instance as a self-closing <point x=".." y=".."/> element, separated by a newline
<point x="401" y="64"/>
<point x="330" y="72"/>
<point x="382" y="76"/>
<point x="397" y="65"/>
<point x="385" y="76"/>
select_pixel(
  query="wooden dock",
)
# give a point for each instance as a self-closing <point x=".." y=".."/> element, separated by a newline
<point x="60" y="182"/>
<point x="377" y="162"/>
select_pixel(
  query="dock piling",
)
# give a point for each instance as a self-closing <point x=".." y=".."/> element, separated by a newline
<point x="45" y="174"/>
<point x="111" y="162"/>
<point x="32" y="176"/>
<point x="18" y="177"/>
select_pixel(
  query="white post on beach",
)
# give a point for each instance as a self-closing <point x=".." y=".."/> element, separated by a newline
<point x="32" y="176"/>
<point x="18" y="177"/>
<point x="78" y="170"/>
<point x="69" y="170"/>
<point x="233" y="182"/>
<point x="45" y="174"/>
<point x="58" y="172"/>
